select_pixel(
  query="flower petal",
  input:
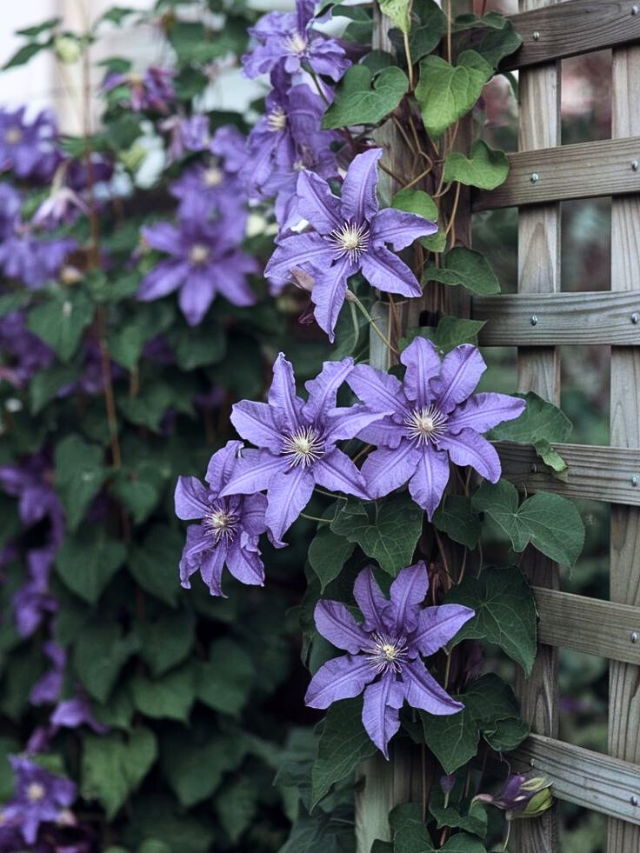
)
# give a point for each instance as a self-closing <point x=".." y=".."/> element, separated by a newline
<point x="256" y="423"/>
<point x="423" y="364"/>
<point x="469" y="448"/>
<point x="385" y="432"/>
<point x="211" y="568"/>
<point x="423" y="691"/>
<point x="287" y="496"/>
<point x="191" y="498"/>
<point x="322" y="391"/>
<point x="359" y="199"/>
<point x="254" y="472"/>
<point x="430" y="479"/>
<point x="245" y="564"/>
<point x="346" y="423"/>
<point x="164" y="237"/>
<point x="336" y="624"/>
<point x="387" y="272"/>
<point x="460" y="373"/>
<point x="370" y="600"/>
<point x="387" y="468"/>
<point x="399" y="228"/>
<point x="196" y="295"/>
<point x="317" y="204"/>
<point x="380" y="710"/>
<point x="381" y="392"/>
<point x="282" y="394"/>
<point x="407" y="593"/>
<point x="337" y="473"/>
<point x="340" y="678"/>
<point x="484" y="411"/>
<point x="222" y="464"/>
<point x="162" y="280"/>
<point x="300" y="250"/>
<point x="438" y="625"/>
<point x="253" y="510"/>
<point x="328" y="293"/>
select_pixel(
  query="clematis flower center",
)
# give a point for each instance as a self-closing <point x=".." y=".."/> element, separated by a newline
<point x="277" y="120"/>
<point x="350" y="239"/>
<point x="296" y="43"/>
<point x="303" y="447"/>
<point x="222" y="525"/>
<point x="35" y="792"/>
<point x="387" y="653"/>
<point x="212" y="177"/>
<point x="198" y="254"/>
<point x="426" y="425"/>
<point x="13" y="136"/>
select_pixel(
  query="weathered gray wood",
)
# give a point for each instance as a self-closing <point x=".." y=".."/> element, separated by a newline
<point x="584" y="777"/>
<point x="624" y="683"/>
<point x="589" y="625"/>
<point x="584" y="170"/>
<point x="578" y="26"/>
<point x="610" y="474"/>
<point x="539" y="371"/>
<point x="547" y="319"/>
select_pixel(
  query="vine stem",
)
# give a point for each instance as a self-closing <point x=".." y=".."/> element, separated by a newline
<point x="315" y="518"/>
<point x="385" y="340"/>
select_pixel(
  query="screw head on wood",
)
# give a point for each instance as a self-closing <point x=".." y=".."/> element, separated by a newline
<point x="534" y="468"/>
<point x="635" y="165"/>
<point x="635" y="318"/>
<point x="634" y="636"/>
<point x="635" y="9"/>
<point x="534" y="320"/>
<point x="635" y="480"/>
<point x="534" y="177"/>
<point x="535" y="35"/>
<point x="634" y="800"/>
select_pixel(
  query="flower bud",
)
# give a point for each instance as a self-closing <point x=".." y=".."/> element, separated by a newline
<point x="521" y="796"/>
<point x="67" y="49"/>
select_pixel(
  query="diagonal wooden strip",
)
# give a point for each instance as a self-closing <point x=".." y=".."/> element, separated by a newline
<point x="547" y="319"/>
<point x="584" y="777"/>
<point x="592" y="25"/>
<point x="583" y="170"/>
<point x="589" y="625"/>
<point x="610" y="474"/>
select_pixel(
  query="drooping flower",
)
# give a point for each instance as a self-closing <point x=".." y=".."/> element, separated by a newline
<point x="28" y="148"/>
<point x="72" y="713"/>
<point x="521" y="796"/>
<point x="385" y="651"/>
<point x="287" y="40"/>
<point x="435" y="418"/>
<point x="230" y="528"/>
<point x="48" y="688"/>
<point x="204" y="261"/>
<point x="351" y="235"/>
<point x="152" y="90"/>
<point x="298" y="443"/>
<point x="41" y="797"/>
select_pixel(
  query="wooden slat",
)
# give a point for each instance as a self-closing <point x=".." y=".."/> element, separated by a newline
<point x="624" y="681"/>
<point x="584" y="170"/>
<point x="589" y="625"/>
<point x="539" y="371"/>
<point x="596" y="317"/>
<point x="584" y="777"/>
<point x="575" y="27"/>
<point x="595" y="473"/>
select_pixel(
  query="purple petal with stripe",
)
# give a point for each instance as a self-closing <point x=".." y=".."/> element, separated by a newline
<point x="254" y="472"/>
<point x="460" y="373"/>
<point x="407" y="593"/>
<point x="359" y="199"/>
<point x="381" y="392"/>
<point x="162" y="280"/>
<point x="336" y="624"/>
<point x="300" y="250"/>
<point x="469" y="448"/>
<point x="191" y="498"/>
<point x="399" y="228"/>
<point x="429" y="481"/>
<point x="287" y="496"/>
<point x="282" y="394"/>
<point x="437" y="625"/>
<point x="424" y="692"/>
<point x="322" y="391"/>
<point x="371" y="601"/>
<point x="337" y="473"/>
<point x="423" y="364"/>
<point x="245" y="564"/>
<point x="484" y="411"/>
<point x="388" y="273"/>
<point x="339" y="678"/>
<point x="256" y="423"/>
<point x="317" y="204"/>
<point x="328" y="293"/>
<point x="381" y="711"/>
<point x="222" y="464"/>
<point x="387" y="469"/>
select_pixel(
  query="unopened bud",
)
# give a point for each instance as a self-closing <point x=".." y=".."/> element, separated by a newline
<point x="70" y="274"/>
<point x="67" y="49"/>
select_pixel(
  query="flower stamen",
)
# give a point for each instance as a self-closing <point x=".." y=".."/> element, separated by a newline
<point x="304" y="447"/>
<point x="222" y="525"/>
<point x="198" y="254"/>
<point x="426" y="425"/>
<point x="277" y="120"/>
<point x="295" y="44"/>
<point x="350" y="239"/>
<point x="387" y="653"/>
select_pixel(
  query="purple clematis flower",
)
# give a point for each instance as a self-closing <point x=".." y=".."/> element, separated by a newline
<point x="153" y="90"/>
<point x="22" y="351"/>
<point x="48" y="688"/>
<point x="231" y="145"/>
<point x="41" y="797"/>
<point x="297" y="441"/>
<point x="384" y="651"/>
<point x="72" y="713"/>
<point x="287" y="40"/>
<point x="204" y="261"/>
<point x="350" y="236"/>
<point x="28" y="148"/>
<point x="435" y="418"/>
<point x="33" y="600"/>
<point x="230" y="529"/>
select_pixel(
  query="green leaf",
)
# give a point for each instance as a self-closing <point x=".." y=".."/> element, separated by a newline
<point x="87" y="560"/>
<point x="446" y="92"/>
<point x="344" y="744"/>
<point x="489" y="700"/>
<point x="154" y="565"/>
<point x="453" y="738"/>
<point x="497" y="39"/>
<point x="98" y="656"/>
<point x="46" y="383"/>
<point x="507" y="735"/>
<point x="457" y="518"/>
<point x="8" y="746"/>
<point x="38" y="29"/>
<point x="170" y="697"/>
<point x="24" y="54"/>
<point x="224" y="682"/>
<point x="126" y="344"/>
<point x="117" y="14"/>
<point x="363" y="100"/>
<point x="114" y="765"/>
<point x="328" y="553"/>
<point x="416" y="201"/>
<point x="505" y="612"/>
<point x="474" y="821"/>
<point x="159" y="815"/>
<point x="79" y="475"/>
<point x="166" y="640"/>
<point x="381" y="846"/>
<point x="409" y="831"/>
<point x="399" y="11"/>
<point x="551" y="523"/>
<point x="464" y="267"/>
<point x="205" y="344"/>
<point x="485" y="168"/>
<point x="426" y="33"/>
<point x="387" y="530"/>
<point x="236" y="806"/>
<point x="194" y="769"/>
<point x="448" y="334"/>
<point x="463" y="843"/>
<point x="152" y="845"/>
<point x="61" y="320"/>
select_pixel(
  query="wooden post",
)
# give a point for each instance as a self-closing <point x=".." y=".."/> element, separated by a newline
<point x="624" y="678"/>
<point x="539" y="371"/>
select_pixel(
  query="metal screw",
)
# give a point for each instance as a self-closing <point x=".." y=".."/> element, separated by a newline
<point x="534" y="320"/>
<point x="534" y="177"/>
<point x="635" y="9"/>
<point x="634" y="636"/>
<point x="635" y="480"/>
<point x="532" y="762"/>
<point x="534" y="468"/>
<point x="635" y="165"/>
<point x="635" y="318"/>
<point x="535" y="35"/>
<point x="634" y="800"/>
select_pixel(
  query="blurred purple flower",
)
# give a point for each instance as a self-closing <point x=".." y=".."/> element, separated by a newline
<point x="231" y="145"/>
<point x="432" y="418"/>
<point x="187" y="134"/>
<point x="23" y="353"/>
<point x="297" y="441"/>
<point x="47" y="689"/>
<point x="33" y="600"/>
<point x="385" y="650"/>
<point x="218" y="189"/>
<point x="204" y="261"/>
<point x="32" y="261"/>
<point x="30" y="482"/>
<point x="521" y="796"/>
<point x="350" y="236"/>
<point x="41" y="797"/>
<point x="28" y="148"/>
<point x="287" y="40"/>
<point x="72" y="713"/>
<point x="230" y="528"/>
<point x="152" y="90"/>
